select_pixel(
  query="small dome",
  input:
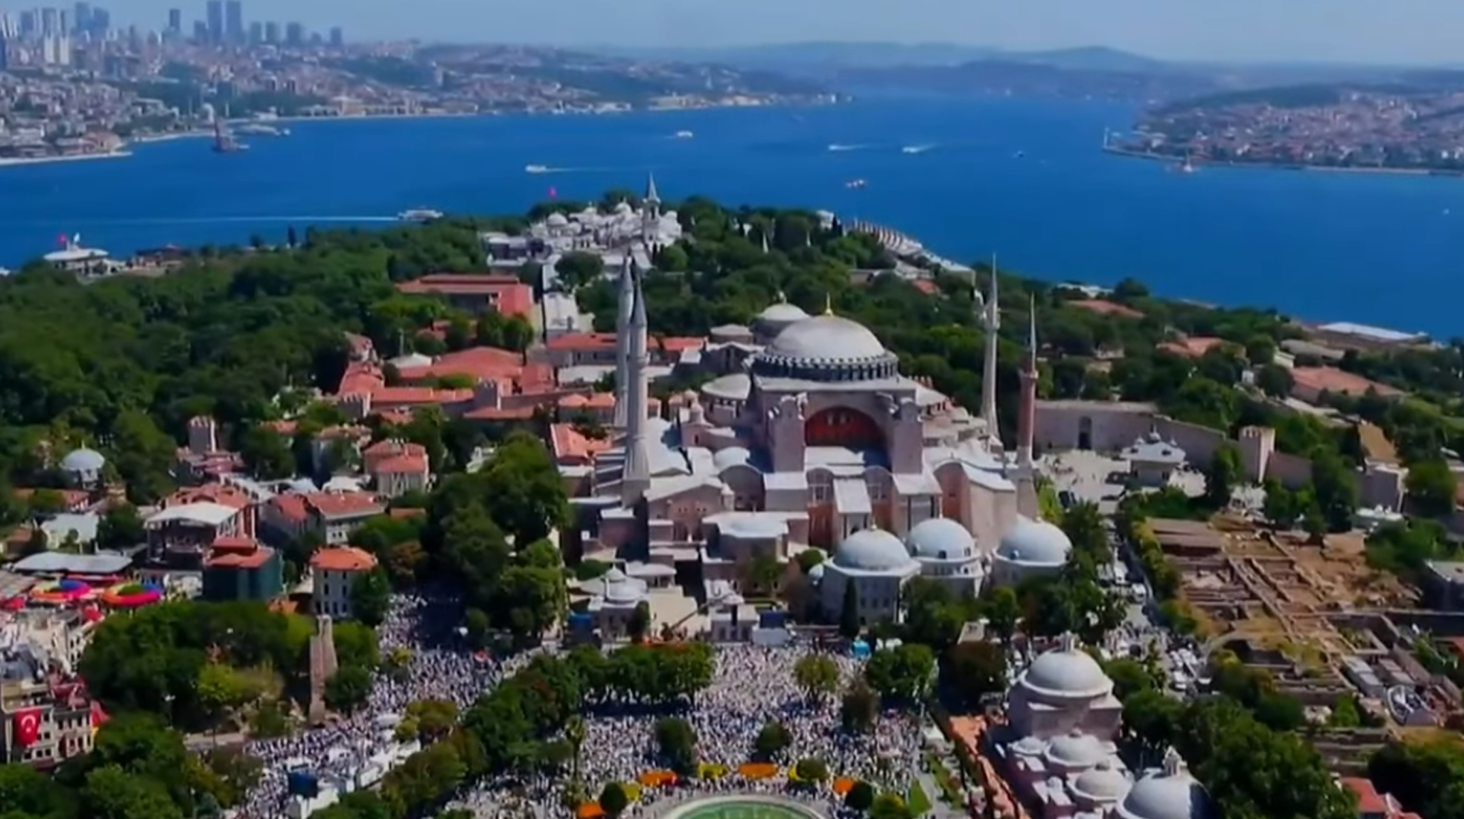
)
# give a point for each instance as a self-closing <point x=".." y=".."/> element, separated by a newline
<point x="622" y="589"/>
<point x="1172" y="794"/>
<point x="872" y="550"/>
<point x="730" y="457"/>
<point x="624" y="208"/>
<point x="732" y="387"/>
<point x="782" y="313"/>
<point x="1066" y="672"/>
<point x="940" y="539"/>
<point x="557" y="220"/>
<point x="1035" y="542"/>
<point x="827" y="338"/>
<point x="1101" y="783"/>
<point x="1076" y="750"/>
<point x="83" y="460"/>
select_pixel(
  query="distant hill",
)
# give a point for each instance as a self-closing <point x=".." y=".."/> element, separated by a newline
<point x="1090" y="58"/>
<point x="811" y="55"/>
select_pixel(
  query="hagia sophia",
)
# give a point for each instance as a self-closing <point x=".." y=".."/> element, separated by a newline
<point x="808" y="436"/>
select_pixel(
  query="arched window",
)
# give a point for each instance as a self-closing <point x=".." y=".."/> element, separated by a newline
<point x="842" y="427"/>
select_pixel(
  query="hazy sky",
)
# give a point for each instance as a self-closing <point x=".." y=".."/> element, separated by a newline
<point x="1403" y="31"/>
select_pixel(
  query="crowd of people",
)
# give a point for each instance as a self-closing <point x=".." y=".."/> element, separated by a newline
<point x="752" y="686"/>
<point x="439" y="666"/>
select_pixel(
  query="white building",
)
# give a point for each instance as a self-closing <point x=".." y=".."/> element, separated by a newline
<point x="877" y="565"/>
<point x="333" y="574"/>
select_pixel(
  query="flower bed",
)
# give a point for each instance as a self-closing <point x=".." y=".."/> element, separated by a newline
<point x="843" y="785"/>
<point x="711" y="770"/>
<point x="632" y="790"/>
<point x="657" y="779"/>
<point x="757" y="770"/>
<point x="590" y="810"/>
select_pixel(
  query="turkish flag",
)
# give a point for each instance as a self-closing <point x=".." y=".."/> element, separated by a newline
<point x="27" y="727"/>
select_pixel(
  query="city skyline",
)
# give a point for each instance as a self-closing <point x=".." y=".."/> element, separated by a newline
<point x="1356" y="31"/>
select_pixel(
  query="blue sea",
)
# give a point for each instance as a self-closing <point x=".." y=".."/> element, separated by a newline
<point x="1022" y="178"/>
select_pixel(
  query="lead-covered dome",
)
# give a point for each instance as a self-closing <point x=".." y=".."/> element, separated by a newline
<point x="1170" y="794"/>
<point x="83" y="460"/>
<point x="1101" y="783"/>
<point x="782" y="313"/>
<point x="826" y="348"/>
<point x="1036" y="543"/>
<point x="1066" y="673"/>
<point x="1076" y="750"/>
<point x="940" y="539"/>
<point x="872" y="550"/>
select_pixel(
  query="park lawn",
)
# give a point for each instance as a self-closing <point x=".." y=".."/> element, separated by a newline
<point x="917" y="801"/>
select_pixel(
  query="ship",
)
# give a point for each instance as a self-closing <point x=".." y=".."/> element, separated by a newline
<point x="1185" y="167"/>
<point x="224" y="142"/>
<point x="855" y="184"/>
<point x="684" y="134"/>
<point x="536" y="169"/>
<point x="260" y="129"/>
<point x="419" y="215"/>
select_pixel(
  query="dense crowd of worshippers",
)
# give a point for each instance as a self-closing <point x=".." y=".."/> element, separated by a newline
<point x="751" y="687"/>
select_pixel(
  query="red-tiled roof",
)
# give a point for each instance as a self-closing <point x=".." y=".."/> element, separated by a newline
<point x="361" y="376"/>
<point x="500" y="413"/>
<point x="222" y="494"/>
<point x="1331" y="379"/>
<point x="402" y="396"/>
<point x="1107" y="308"/>
<point x="291" y="507"/>
<point x="572" y="448"/>
<point x="510" y="296"/>
<point x="582" y="341"/>
<point x="485" y="364"/>
<point x="409" y="464"/>
<point x="1369" y="801"/>
<point x="241" y="560"/>
<point x="342" y="504"/>
<point x="1192" y="347"/>
<point x="342" y="559"/>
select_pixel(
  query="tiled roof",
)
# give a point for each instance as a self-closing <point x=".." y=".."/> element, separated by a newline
<point x="1369" y="801"/>
<point x="510" y="296"/>
<point x="240" y="560"/>
<point x="343" y="559"/>
<point x="1192" y="347"/>
<point x="571" y="448"/>
<point x="291" y="507"/>
<point x="343" y="504"/>
<point x="408" y="464"/>
<point x="1331" y="379"/>
<point x="1104" y="307"/>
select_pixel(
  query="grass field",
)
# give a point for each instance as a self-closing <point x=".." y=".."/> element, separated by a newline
<point x="917" y="801"/>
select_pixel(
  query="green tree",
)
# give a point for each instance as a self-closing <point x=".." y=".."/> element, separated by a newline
<point x="347" y="689"/>
<point x="613" y="799"/>
<point x="639" y="623"/>
<point x="112" y="793"/>
<point x="973" y="671"/>
<point x="677" y="742"/>
<point x="860" y="797"/>
<point x="903" y="672"/>
<point x="1432" y="488"/>
<point x="1223" y="476"/>
<point x="816" y="675"/>
<point x="1280" y="505"/>
<point x="1003" y="610"/>
<point x="889" y="806"/>
<point x="772" y="740"/>
<point x="578" y="268"/>
<point x="812" y="770"/>
<point x="371" y="597"/>
<point x="859" y="707"/>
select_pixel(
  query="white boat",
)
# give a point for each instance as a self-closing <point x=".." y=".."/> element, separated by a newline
<point x="855" y="184"/>
<point x="260" y="129"/>
<point x="684" y="134"/>
<point x="419" y="215"/>
<point x="915" y="149"/>
<point x="536" y="169"/>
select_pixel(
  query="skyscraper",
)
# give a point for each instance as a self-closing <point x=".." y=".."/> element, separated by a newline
<point x="295" y="34"/>
<point x="30" y="24"/>
<point x="234" y="21"/>
<point x="101" y="21"/>
<point x="256" y="32"/>
<point x="272" y="33"/>
<point x="216" y="21"/>
<point x="81" y="17"/>
<point x="50" y="22"/>
<point x="175" y="22"/>
<point x="337" y="37"/>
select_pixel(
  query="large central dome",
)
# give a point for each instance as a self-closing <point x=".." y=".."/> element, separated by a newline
<point x="826" y="348"/>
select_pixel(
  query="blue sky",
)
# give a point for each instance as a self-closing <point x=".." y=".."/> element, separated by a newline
<point x="1374" y="31"/>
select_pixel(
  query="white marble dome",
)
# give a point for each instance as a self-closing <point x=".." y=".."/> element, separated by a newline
<point x="872" y="550"/>
<point x="730" y="457"/>
<point x="1066" y="673"/>
<point x="1101" y="783"/>
<point x="940" y="539"/>
<point x="557" y="220"/>
<point x="83" y="460"/>
<point x="1034" y="542"/>
<point x="782" y="313"/>
<point x="621" y="589"/>
<point x="1076" y="750"/>
<point x="1171" y="794"/>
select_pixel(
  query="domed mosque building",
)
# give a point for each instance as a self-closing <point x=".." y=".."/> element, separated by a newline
<point x="808" y="435"/>
<point x="1057" y="748"/>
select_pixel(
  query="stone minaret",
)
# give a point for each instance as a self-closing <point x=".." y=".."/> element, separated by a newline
<point x="322" y="666"/>
<point x="622" y="343"/>
<point x="1027" y="501"/>
<point x="637" y="476"/>
<point x="991" y="321"/>
<point x="650" y="214"/>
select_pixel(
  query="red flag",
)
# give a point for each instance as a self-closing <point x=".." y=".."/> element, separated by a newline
<point x="27" y="727"/>
<point x="61" y="239"/>
<point x="552" y="192"/>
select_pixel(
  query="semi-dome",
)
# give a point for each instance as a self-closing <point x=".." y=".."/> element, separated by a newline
<point x="826" y="348"/>
<point x="1066" y="672"/>
<point x="1036" y="543"/>
<point x="940" y="539"/>
<point x="1076" y="750"/>
<point x="730" y="457"/>
<point x="83" y="460"/>
<point x="872" y="550"/>
<point x="1170" y="794"/>
<point x="1101" y="783"/>
<point x="730" y="387"/>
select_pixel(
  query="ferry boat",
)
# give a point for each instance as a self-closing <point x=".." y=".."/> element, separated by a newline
<point x="419" y="215"/>
<point x="536" y="169"/>
<point x="260" y="129"/>
<point x="685" y="134"/>
<point x="855" y="184"/>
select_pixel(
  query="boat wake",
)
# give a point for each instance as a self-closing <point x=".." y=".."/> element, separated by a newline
<point x="916" y="149"/>
<point x="836" y="147"/>
<point x="226" y="220"/>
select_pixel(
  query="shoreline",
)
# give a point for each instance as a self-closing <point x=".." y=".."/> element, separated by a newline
<point x="1280" y="166"/>
<point x="18" y="162"/>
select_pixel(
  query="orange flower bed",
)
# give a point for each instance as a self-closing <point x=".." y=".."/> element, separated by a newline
<point x="590" y="810"/>
<point x="757" y="770"/>
<point x="655" y="779"/>
<point x="843" y="785"/>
